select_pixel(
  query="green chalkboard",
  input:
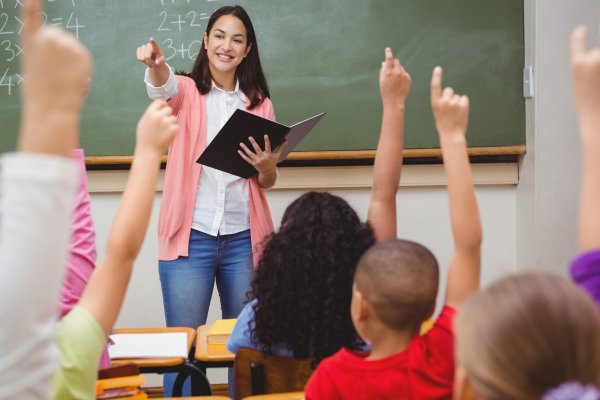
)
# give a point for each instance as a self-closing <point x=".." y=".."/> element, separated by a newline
<point x="318" y="55"/>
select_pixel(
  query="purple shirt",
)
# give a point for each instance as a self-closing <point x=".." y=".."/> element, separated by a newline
<point x="585" y="270"/>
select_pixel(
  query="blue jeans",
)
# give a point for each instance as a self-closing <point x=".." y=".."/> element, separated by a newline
<point x="187" y="282"/>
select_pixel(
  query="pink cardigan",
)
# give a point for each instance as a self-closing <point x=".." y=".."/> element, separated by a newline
<point x="183" y="172"/>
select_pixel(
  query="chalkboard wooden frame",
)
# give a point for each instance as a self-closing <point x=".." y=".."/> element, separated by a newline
<point x="303" y="157"/>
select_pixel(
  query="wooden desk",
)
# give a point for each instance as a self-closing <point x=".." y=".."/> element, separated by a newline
<point x="206" y="357"/>
<point x="183" y="366"/>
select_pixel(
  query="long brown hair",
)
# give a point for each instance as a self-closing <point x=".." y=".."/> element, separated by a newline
<point x="249" y="73"/>
<point x="527" y="334"/>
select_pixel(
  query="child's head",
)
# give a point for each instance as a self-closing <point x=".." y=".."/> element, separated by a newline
<point x="229" y="44"/>
<point x="303" y="283"/>
<point x="526" y="335"/>
<point x="399" y="280"/>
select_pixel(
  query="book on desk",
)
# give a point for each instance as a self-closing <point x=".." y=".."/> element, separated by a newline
<point x="218" y="335"/>
<point x="120" y="384"/>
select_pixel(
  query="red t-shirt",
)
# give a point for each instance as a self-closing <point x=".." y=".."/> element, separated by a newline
<point x="425" y="370"/>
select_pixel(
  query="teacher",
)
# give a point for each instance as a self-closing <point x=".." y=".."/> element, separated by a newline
<point x="211" y="223"/>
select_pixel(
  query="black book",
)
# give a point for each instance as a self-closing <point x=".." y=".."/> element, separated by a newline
<point x="222" y="152"/>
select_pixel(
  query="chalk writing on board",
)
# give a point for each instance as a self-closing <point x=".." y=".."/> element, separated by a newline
<point x="10" y="46"/>
<point x="172" y="25"/>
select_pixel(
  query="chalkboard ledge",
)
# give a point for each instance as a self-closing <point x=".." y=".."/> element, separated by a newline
<point x="348" y="157"/>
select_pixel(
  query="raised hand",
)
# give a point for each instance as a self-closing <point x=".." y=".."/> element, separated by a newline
<point x="55" y="64"/>
<point x="265" y="161"/>
<point x="450" y="110"/>
<point x="150" y="54"/>
<point x="394" y="81"/>
<point x="394" y="85"/>
<point x="156" y="128"/>
<point x="451" y="113"/>
<point x="57" y="68"/>
<point x="586" y="76"/>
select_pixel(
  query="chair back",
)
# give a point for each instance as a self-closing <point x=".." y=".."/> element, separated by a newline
<point x="255" y="373"/>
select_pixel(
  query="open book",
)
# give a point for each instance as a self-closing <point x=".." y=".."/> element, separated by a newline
<point x="148" y="345"/>
<point x="222" y="152"/>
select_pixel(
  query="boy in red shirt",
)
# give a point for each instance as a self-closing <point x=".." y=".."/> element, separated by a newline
<point x="395" y="288"/>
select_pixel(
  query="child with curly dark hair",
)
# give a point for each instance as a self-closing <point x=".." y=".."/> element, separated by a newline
<point x="300" y="296"/>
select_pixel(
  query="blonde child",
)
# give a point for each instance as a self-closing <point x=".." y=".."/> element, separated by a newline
<point x="528" y="337"/>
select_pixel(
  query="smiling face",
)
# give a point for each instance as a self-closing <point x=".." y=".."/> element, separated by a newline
<point x="226" y="46"/>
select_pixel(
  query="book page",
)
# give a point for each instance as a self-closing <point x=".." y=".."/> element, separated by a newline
<point x="148" y="345"/>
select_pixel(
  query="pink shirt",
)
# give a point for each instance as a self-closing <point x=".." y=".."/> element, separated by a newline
<point x="183" y="172"/>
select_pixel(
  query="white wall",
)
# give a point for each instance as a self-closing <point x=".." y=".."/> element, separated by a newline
<point x="423" y="217"/>
<point x="548" y="192"/>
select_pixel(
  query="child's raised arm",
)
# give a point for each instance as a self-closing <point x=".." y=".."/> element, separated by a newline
<point x="105" y="291"/>
<point x="451" y="112"/>
<point x="585" y="269"/>
<point x="38" y="186"/>
<point x="394" y="85"/>
<point x="56" y="68"/>
<point x="586" y="76"/>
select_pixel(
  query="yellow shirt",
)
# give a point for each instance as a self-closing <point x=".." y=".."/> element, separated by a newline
<point x="80" y="341"/>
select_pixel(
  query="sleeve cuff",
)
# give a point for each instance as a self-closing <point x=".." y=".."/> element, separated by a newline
<point x="164" y="92"/>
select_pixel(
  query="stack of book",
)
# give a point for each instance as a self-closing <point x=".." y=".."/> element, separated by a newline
<point x="218" y="335"/>
<point x="121" y="382"/>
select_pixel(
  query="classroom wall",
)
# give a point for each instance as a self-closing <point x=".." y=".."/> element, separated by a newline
<point x="531" y="225"/>
<point x="422" y="216"/>
<point x="548" y="192"/>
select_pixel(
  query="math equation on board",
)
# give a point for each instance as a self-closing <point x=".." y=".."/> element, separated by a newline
<point x="11" y="26"/>
<point x="177" y="25"/>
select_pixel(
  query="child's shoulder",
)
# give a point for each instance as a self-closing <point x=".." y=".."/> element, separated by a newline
<point x="447" y="315"/>
<point x="443" y="322"/>
<point x="438" y="341"/>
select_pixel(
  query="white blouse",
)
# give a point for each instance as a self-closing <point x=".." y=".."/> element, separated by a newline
<point x="222" y="204"/>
